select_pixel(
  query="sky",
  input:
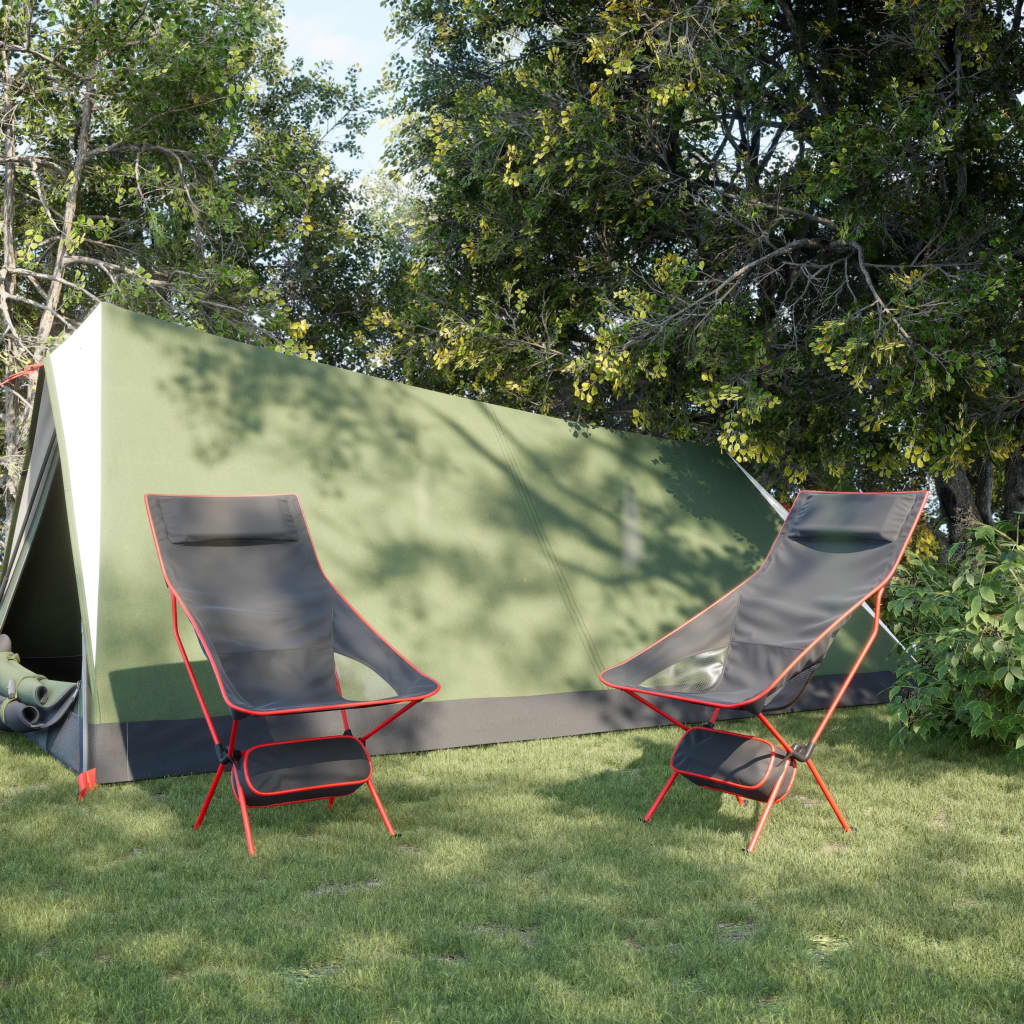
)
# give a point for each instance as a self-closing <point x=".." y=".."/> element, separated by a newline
<point x="344" y="32"/>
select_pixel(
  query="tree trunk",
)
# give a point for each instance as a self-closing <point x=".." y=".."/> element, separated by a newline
<point x="956" y="498"/>
<point x="1013" y="493"/>
<point x="982" y="478"/>
<point x="70" y="210"/>
<point x="8" y="284"/>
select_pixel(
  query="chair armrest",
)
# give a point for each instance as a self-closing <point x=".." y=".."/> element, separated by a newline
<point x="707" y="631"/>
<point x="355" y="638"/>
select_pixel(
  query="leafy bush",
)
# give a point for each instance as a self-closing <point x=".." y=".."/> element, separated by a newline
<point x="962" y="621"/>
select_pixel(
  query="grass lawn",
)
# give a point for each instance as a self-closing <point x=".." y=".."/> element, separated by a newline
<point x="523" y="887"/>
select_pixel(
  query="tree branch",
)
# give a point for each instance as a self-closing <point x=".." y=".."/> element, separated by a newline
<point x="882" y="307"/>
<point x="70" y="207"/>
<point x="8" y="282"/>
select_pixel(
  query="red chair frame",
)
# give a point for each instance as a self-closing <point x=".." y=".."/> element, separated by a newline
<point x="795" y="754"/>
<point x="228" y="756"/>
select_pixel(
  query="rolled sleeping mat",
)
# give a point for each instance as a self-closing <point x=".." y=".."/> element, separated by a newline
<point x="33" y="691"/>
<point x="12" y="671"/>
<point x="61" y="697"/>
<point x="42" y="692"/>
<point x="48" y="700"/>
<point x="21" y="683"/>
<point x="18" y="717"/>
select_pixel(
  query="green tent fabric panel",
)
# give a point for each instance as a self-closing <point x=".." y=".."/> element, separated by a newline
<point x="411" y="504"/>
<point x="504" y="555"/>
<point x="646" y="533"/>
<point x="41" y="435"/>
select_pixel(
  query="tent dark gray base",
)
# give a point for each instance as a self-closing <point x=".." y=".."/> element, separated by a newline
<point x="130" y="751"/>
<point x="62" y="741"/>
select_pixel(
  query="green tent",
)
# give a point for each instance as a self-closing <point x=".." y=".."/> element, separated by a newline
<point x="511" y="556"/>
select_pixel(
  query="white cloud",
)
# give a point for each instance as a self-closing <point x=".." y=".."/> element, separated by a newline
<point x="344" y="33"/>
<point x="308" y="40"/>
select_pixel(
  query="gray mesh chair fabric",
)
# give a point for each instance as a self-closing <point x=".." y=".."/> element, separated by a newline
<point x="759" y="645"/>
<point x="715" y="760"/>
<point x="246" y="574"/>
<point x="833" y="552"/>
<point x="270" y="621"/>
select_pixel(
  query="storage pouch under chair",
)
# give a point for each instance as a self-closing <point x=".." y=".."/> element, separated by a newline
<point x="733" y="763"/>
<point x="311" y="769"/>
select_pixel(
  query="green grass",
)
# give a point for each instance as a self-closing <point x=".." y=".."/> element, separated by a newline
<point x="523" y="887"/>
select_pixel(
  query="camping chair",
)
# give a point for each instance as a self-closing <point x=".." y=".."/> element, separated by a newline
<point x="244" y="571"/>
<point x="756" y="649"/>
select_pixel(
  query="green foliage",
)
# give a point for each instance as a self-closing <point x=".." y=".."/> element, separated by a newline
<point x="963" y="622"/>
<point x="163" y="156"/>
<point x="790" y="230"/>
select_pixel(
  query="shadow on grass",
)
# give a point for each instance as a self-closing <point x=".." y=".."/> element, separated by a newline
<point x="523" y="887"/>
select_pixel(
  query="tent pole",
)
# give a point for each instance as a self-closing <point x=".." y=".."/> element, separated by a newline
<point x="83" y="706"/>
<point x="87" y="776"/>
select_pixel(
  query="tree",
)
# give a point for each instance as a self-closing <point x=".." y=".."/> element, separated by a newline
<point x="793" y="230"/>
<point x="161" y="155"/>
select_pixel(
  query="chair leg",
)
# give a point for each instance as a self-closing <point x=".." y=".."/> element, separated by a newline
<point x="209" y="796"/>
<point x="380" y="807"/>
<point x="767" y="810"/>
<point x="236" y="787"/>
<point x="661" y="796"/>
<point x="828" y="796"/>
<point x="245" y="825"/>
<point x="330" y="802"/>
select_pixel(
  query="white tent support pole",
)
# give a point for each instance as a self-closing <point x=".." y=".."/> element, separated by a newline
<point x="78" y="390"/>
<point x="83" y="704"/>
